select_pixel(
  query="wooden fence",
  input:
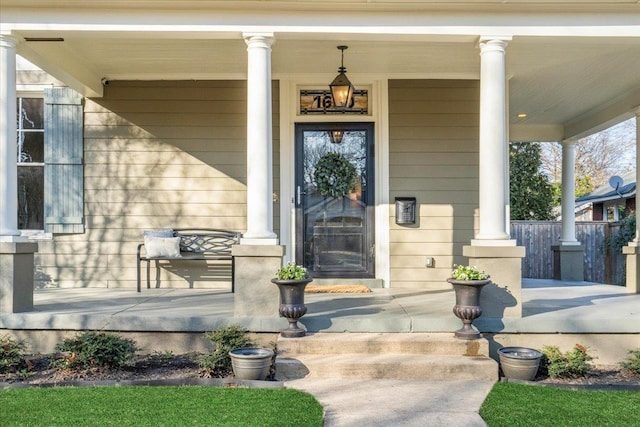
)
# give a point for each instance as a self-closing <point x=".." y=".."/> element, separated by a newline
<point x="601" y="264"/>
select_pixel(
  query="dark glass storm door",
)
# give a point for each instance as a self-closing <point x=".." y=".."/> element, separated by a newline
<point x="334" y="199"/>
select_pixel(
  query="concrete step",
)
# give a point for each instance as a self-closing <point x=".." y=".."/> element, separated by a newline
<point x="408" y="356"/>
<point x="387" y="366"/>
<point x="379" y="343"/>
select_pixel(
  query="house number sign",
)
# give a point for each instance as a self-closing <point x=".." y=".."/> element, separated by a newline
<point x="319" y="101"/>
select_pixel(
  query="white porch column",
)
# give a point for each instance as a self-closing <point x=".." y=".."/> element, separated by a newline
<point x="492" y="250"/>
<point x="8" y="148"/>
<point x="637" y="113"/>
<point x="494" y="144"/>
<point x="568" y="236"/>
<point x="259" y="142"/>
<point x="568" y="253"/>
<point x="258" y="255"/>
<point x="16" y="254"/>
<point x="632" y="251"/>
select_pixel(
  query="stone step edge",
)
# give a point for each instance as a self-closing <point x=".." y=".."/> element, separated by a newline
<point x="368" y="343"/>
<point x="386" y="366"/>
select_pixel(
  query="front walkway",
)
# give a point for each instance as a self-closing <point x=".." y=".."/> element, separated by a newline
<point x="548" y="307"/>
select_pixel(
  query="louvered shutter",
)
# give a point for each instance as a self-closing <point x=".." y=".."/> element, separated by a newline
<point x="63" y="170"/>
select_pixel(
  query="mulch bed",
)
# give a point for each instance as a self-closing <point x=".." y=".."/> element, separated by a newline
<point x="601" y="377"/>
<point x="41" y="369"/>
<point x="183" y="369"/>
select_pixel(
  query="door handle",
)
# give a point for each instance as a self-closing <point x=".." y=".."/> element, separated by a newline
<point x="299" y="193"/>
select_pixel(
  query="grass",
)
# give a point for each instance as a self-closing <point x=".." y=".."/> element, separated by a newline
<point x="158" y="406"/>
<point x="514" y="405"/>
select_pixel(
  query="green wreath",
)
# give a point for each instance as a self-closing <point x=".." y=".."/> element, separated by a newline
<point x="335" y="176"/>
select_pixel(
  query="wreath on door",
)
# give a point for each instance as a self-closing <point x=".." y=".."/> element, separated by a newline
<point x="335" y="176"/>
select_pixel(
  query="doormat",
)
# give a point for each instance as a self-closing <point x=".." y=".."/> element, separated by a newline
<point x="337" y="289"/>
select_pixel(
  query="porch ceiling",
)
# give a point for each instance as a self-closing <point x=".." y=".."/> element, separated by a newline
<point x="567" y="84"/>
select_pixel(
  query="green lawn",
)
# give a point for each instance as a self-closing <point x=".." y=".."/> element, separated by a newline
<point x="514" y="405"/>
<point x="158" y="406"/>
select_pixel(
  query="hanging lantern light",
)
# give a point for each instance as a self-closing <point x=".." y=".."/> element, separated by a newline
<point x="341" y="87"/>
<point x="336" y="136"/>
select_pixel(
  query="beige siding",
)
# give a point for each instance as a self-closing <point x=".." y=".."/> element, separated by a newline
<point x="433" y="156"/>
<point x="168" y="154"/>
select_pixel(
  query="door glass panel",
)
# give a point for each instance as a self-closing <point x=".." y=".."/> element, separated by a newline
<point x="335" y="209"/>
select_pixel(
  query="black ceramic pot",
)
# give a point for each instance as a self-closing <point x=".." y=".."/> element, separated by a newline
<point x="467" y="306"/>
<point x="292" y="304"/>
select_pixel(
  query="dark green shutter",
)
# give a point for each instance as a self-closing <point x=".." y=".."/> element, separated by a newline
<point x="63" y="170"/>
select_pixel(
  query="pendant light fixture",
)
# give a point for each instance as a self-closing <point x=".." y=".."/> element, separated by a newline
<point x="341" y="87"/>
<point x="336" y="136"/>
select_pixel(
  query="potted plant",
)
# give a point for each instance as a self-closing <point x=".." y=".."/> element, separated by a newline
<point x="520" y="363"/>
<point x="251" y="363"/>
<point x="291" y="280"/>
<point x="467" y="283"/>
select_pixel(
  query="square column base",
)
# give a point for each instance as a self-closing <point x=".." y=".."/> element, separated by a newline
<point x="16" y="280"/>
<point x="503" y="298"/>
<point x="568" y="262"/>
<point x="633" y="268"/>
<point x="255" y="266"/>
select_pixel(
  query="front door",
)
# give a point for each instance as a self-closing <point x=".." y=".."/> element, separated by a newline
<point x="335" y="199"/>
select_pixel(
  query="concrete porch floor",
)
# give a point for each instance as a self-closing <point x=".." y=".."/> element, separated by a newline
<point x="550" y="308"/>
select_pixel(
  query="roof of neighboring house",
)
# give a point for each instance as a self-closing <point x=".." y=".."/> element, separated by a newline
<point x="626" y="189"/>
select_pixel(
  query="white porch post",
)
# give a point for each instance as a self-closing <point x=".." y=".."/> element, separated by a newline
<point x="8" y="149"/>
<point x="637" y="113"/>
<point x="16" y="254"/>
<point x="632" y="251"/>
<point x="492" y="250"/>
<point x="259" y="142"/>
<point x="258" y="256"/>
<point x="494" y="144"/>
<point x="568" y="253"/>
<point x="568" y="193"/>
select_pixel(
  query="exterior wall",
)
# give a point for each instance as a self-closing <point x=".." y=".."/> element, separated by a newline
<point x="165" y="154"/>
<point x="433" y="156"/>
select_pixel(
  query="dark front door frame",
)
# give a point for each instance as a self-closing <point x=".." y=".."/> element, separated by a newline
<point x="367" y="268"/>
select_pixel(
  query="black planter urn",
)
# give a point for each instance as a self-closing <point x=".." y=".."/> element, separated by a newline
<point x="292" y="304"/>
<point x="467" y="306"/>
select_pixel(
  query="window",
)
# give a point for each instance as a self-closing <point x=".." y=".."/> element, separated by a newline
<point x="50" y="167"/>
<point x="30" y="141"/>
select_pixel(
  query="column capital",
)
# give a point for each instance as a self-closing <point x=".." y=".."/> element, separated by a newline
<point x="569" y="143"/>
<point x="9" y="40"/>
<point x="266" y="39"/>
<point x="493" y="43"/>
<point x="637" y="112"/>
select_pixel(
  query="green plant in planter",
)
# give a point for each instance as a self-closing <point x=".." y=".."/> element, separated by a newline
<point x="292" y="271"/>
<point x="463" y="272"/>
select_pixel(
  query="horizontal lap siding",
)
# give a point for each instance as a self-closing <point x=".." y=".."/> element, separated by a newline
<point x="157" y="155"/>
<point x="433" y="156"/>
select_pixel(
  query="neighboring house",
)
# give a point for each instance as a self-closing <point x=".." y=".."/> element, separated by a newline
<point x="609" y="202"/>
<point x="211" y="114"/>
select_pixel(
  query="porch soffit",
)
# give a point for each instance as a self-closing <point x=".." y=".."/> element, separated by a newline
<point x="568" y="79"/>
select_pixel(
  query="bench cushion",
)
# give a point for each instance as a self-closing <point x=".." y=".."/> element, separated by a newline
<point x="166" y="247"/>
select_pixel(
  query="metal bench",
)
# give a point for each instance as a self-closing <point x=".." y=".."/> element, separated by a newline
<point x="195" y="245"/>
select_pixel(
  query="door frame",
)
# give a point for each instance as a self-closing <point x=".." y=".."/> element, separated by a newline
<point x="378" y="114"/>
<point x="370" y="201"/>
